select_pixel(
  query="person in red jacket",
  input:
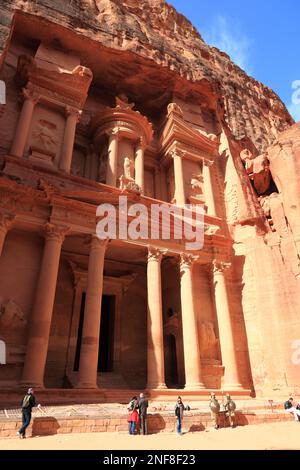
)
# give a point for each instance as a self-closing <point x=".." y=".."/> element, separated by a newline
<point x="133" y="417"/>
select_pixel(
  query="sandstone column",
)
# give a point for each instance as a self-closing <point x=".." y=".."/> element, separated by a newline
<point x="112" y="161"/>
<point x="21" y="134"/>
<point x="6" y="221"/>
<point x="179" y="179"/>
<point x="192" y="359"/>
<point x="139" y="165"/>
<point x="155" y="352"/>
<point x="88" y="364"/>
<point x="40" y="321"/>
<point x="229" y="357"/>
<point x="208" y="188"/>
<point x="73" y="115"/>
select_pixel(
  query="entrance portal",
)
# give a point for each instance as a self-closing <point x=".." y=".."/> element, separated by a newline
<point x="106" y="343"/>
<point x="171" y="361"/>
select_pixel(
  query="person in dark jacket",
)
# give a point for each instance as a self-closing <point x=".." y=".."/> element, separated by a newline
<point x="290" y="408"/>
<point x="27" y="404"/>
<point x="143" y="405"/>
<point x="179" y="408"/>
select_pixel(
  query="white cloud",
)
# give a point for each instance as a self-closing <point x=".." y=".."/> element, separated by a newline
<point x="227" y="36"/>
<point x="294" y="110"/>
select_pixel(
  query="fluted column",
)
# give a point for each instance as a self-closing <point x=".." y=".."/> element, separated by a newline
<point x="21" y="134"/>
<point x="139" y="165"/>
<point x="192" y="359"/>
<point x="40" y="320"/>
<point x="179" y="178"/>
<point x="208" y="188"/>
<point x="155" y="347"/>
<point x="73" y="116"/>
<point x="229" y="356"/>
<point x="112" y="161"/>
<point x="88" y="364"/>
<point x="6" y="222"/>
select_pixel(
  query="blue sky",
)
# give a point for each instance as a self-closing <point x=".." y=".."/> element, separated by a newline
<point x="262" y="36"/>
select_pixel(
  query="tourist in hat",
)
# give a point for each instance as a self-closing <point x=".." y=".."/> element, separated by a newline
<point x="27" y="404"/>
<point x="214" y="406"/>
<point x="143" y="405"/>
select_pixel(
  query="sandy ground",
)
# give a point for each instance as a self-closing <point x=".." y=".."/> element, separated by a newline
<point x="283" y="436"/>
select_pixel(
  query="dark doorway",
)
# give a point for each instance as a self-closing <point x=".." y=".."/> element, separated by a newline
<point x="171" y="361"/>
<point x="106" y="343"/>
<point x="79" y="334"/>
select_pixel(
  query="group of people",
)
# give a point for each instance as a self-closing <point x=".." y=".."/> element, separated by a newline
<point x="137" y="413"/>
<point x="291" y="408"/>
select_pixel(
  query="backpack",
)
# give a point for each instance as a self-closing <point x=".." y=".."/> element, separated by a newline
<point x="26" y="401"/>
<point x="214" y="406"/>
<point x="231" y="405"/>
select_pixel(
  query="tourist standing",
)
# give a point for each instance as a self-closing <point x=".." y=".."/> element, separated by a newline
<point x="229" y="408"/>
<point x="143" y="405"/>
<point x="133" y="417"/>
<point x="214" y="406"/>
<point x="27" y="404"/>
<point x="179" y="408"/>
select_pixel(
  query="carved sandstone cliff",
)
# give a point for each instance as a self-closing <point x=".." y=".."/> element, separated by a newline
<point x="153" y="30"/>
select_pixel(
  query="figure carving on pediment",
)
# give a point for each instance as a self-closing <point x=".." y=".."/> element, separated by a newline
<point x="11" y="314"/>
<point x="128" y="170"/>
<point x="44" y="137"/>
<point x="208" y="340"/>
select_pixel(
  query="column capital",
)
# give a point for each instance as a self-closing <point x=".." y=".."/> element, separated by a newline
<point x="218" y="267"/>
<point x="55" y="232"/>
<point x="114" y="132"/>
<point x="155" y="254"/>
<point x="141" y="143"/>
<point x="31" y="95"/>
<point x="6" y="220"/>
<point x="208" y="163"/>
<point x="177" y="153"/>
<point x="71" y="111"/>
<point x="95" y="242"/>
<point x="187" y="260"/>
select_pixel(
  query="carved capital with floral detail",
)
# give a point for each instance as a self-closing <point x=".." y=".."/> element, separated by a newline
<point x="155" y="254"/>
<point x="56" y="232"/>
<point x="219" y="267"/>
<point x="31" y="95"/>
<point x="71" y="111"/>
<point x="186" y="261"/>
<point x="6" y="221"/>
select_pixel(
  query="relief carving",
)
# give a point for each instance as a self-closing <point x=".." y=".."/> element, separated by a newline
<point x="44" y="137"/>
<point x="11" y="314"/>
<point x="258" y="170"/>
<point x="208" y="340"/>
<point x="127" y="182"/>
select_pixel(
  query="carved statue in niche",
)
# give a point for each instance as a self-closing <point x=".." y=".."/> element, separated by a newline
<point x="44" y="137"/>
<point x="11" y="314"/>
<point x="208" y="340"/>
<point x="196" y="189"/>
<point x="258" y="169"/>
<point x="127" y="182"/>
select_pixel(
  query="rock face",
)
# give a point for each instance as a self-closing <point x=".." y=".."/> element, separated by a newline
<point x="109" y="97"/>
